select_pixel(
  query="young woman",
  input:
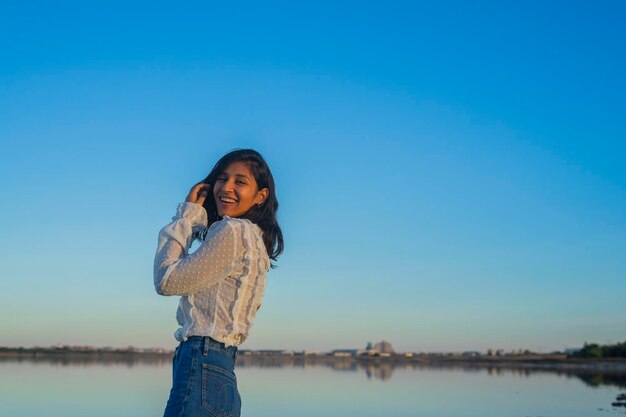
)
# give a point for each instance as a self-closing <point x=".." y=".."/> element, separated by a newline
<point x="233" y="213"/>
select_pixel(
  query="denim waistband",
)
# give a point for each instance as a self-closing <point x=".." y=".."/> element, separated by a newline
<point x="206" y="342"/>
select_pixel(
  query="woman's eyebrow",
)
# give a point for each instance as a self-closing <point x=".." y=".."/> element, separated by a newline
<point x="236" y="175"/>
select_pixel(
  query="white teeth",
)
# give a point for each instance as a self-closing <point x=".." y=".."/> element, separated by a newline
<point x="227" y="200"/>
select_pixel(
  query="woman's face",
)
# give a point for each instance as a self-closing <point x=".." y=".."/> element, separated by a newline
<point x="236" y="191"/>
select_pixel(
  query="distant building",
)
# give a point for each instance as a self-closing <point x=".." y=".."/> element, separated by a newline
<point x="346" y="352"/>
<point x="313" y="353"/>
<point x="384" y="347"/>
<point x="495" y="352"/>
<point x="270" y="352"/>
<point x="343" y="352"/>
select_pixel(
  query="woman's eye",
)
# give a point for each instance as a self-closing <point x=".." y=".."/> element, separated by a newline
<point x="241" y="182"/>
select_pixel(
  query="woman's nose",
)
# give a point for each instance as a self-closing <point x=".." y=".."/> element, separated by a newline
<point x="229" y="185"/>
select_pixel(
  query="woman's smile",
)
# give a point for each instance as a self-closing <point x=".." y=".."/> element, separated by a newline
<point x="224" y="204"/>
<point x="227" y="200"/>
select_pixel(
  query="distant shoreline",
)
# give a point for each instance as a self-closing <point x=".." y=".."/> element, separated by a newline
<point x="531" y="361"/>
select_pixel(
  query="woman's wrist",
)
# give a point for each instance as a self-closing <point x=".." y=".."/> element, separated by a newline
<point x="195" y="214"/>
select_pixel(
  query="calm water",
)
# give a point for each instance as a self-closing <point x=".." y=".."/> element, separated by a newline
<point x="140" y="388"/>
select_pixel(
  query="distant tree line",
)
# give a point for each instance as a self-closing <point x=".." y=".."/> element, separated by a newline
<point x="594" y="350"/>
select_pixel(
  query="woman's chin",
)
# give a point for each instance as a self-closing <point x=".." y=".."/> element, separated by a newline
<point x="226" y="213"/>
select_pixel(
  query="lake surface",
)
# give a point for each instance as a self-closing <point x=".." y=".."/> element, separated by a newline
<point x="140" y="388"/>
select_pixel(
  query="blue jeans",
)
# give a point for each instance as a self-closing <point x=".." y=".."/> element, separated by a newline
<point x="204" y="381"/>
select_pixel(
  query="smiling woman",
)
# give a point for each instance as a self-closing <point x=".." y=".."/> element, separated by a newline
<point x="222" y="283"/>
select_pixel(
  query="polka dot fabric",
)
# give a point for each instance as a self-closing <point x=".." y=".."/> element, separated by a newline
<point x="221" y="284"/>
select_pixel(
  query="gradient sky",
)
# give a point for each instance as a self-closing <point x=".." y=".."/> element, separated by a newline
<point x="450" y="176"/>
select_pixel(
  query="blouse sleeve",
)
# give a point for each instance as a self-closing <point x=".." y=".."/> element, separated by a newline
<point x="176" y="272"/>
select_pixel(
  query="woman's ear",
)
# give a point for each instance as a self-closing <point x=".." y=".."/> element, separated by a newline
<point x="262" y="196"/>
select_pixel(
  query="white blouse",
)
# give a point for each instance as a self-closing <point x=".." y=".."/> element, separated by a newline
<point x="222" y="283"/>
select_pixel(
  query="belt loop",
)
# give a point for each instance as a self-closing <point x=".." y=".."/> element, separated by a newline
<point x="205" y="346"/>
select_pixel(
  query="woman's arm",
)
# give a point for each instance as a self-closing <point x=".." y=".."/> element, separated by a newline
<point x="178" y="273"/>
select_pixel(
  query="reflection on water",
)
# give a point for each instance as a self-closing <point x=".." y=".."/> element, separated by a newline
<point x="596" y="380"/>
<point x="371" y="369"/>
<point x="85" y="385"/>
<point x="129" y="361"/>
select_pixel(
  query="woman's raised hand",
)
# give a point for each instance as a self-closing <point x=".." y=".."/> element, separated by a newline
<point x="198" y="193"/>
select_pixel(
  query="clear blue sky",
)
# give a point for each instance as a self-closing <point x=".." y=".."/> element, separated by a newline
<point x="450" y="176"/>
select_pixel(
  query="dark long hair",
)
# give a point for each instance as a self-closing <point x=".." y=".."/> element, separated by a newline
<point x="264" y="215"/>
